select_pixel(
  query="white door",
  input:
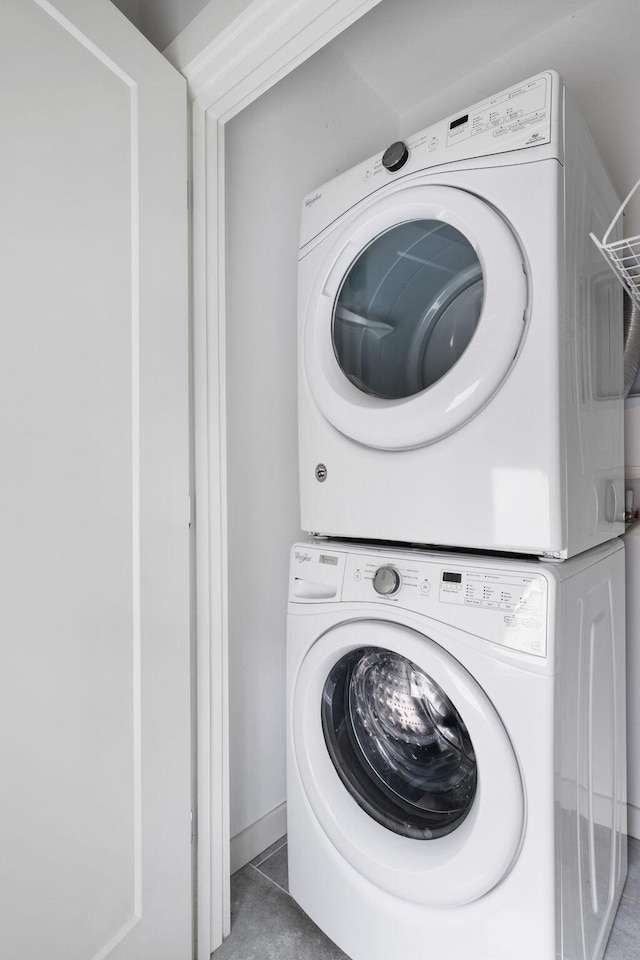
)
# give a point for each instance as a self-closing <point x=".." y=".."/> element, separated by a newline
<point x="94" y="613"/>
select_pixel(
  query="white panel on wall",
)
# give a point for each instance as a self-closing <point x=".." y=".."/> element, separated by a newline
<point x="315" y="123"/>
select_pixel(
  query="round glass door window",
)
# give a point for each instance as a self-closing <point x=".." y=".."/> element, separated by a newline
<point x="407" y="309"/>
<point x="398" y="744"/>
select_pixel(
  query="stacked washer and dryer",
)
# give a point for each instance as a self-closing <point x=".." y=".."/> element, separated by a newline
<point x="456" y="711"/>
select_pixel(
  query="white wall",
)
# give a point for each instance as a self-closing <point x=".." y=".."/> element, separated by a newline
<point x="312" y="125"/>
<point x="405" y="48"/>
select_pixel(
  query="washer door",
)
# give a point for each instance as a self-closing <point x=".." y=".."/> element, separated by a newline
<point x="415" y="317"/>
<point x="406" y="764"/>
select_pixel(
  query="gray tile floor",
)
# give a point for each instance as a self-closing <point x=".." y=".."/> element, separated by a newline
<point x="266" y="924"/>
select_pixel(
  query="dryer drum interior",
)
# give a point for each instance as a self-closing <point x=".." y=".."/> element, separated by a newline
<point x="398" y="744"/>
<point x="407" y="309"/>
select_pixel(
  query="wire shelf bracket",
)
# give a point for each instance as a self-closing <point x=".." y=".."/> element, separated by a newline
<point x="623" y="256"/>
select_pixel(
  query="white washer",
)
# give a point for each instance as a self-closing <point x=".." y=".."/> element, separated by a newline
<point x="460" y="337"/>
<point x="456" y="751"/>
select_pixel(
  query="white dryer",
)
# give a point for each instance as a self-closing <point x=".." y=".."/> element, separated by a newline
<point x="460" y="337"/>
<point x="456" y="751"/>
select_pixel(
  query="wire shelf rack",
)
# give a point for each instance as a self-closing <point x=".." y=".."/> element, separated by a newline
<point x="623" y="256"/>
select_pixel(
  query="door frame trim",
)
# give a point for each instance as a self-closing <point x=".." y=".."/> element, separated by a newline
<point x="253" y="50"/>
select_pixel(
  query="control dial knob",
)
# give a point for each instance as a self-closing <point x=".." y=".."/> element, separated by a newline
<point x="386" y="581"/>
<point x="395" y="156"/>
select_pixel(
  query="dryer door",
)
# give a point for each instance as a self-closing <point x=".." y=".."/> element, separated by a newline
<point x="415" y="317"/>
<point x="406" y="764"/>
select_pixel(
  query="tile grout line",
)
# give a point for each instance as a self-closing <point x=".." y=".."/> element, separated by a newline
<point x="272" y="854"/>
<point x="626" y="896"/>
<point x="282" y="889"/>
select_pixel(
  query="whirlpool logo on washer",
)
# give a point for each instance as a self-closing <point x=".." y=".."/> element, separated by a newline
<point x="302" y="557"/>
<point x="309" y="202"/>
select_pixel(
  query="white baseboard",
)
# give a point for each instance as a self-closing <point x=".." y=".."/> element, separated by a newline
<point x="258" y="836"/>
<point x="633" y="821"/>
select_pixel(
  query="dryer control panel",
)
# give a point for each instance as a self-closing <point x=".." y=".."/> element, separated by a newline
<point x="523" y="110"/>
<point x="500" y="601"/>
<point x="525" y="116"/>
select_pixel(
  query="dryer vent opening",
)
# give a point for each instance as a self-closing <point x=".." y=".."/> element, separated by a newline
<point x="631" y="345"/>
<point x="398" y="744"/>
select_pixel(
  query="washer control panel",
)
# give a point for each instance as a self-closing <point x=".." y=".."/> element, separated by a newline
<point x="521" y="601"/>
<point x="521" y="596"/>
<point x="507" y="605"/>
